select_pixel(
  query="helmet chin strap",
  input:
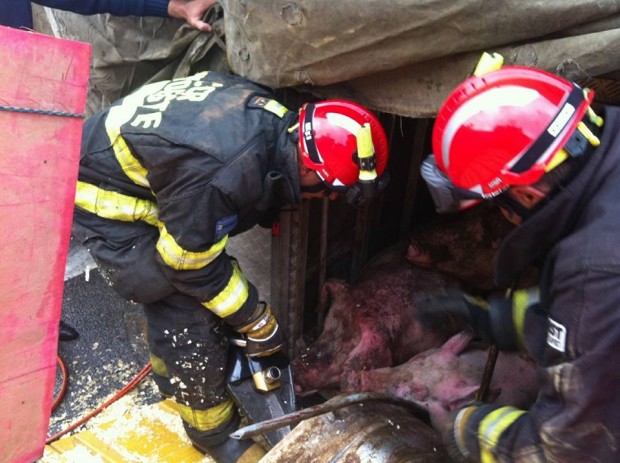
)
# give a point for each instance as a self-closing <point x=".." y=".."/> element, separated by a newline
<point x="312" y="188"/>
<point x="506" y="201"/>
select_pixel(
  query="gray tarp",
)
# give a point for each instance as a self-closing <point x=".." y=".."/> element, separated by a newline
<point x="405" y="56"/>
<point x="397" y="56"/>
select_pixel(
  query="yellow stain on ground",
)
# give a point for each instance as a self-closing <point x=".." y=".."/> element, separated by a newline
<point x="127" y="434"/>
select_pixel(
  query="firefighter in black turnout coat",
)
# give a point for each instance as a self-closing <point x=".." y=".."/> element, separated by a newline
<point x="167" y="174"/>
<point x="532" y="143"/>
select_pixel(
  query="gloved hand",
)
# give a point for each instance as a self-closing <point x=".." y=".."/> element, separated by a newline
<point x="455" y="310"/>
<point x="264" y="335"/>
<point x="466" y="438"/>
<point x="493" y="319"/>
<point x="453" y="432"/>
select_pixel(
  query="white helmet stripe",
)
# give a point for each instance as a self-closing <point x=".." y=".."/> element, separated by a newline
<point x="495" y="98"/>
<point x="345" y="122"/>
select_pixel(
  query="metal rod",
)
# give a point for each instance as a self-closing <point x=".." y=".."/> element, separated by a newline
<point x="336" y="403"/>
<point x="487" y="376"/>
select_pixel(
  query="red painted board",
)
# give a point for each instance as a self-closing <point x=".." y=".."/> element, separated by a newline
<point x="41" y="79"/>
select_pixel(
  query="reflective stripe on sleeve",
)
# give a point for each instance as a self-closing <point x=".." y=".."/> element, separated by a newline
<point x="121" y="114"/>
<point x="232" y="297"/>
<point x="115" y="206"/>
<point x="521" y="300"/>
<point x="181" y="259"/>
<point x="130" y="165"/>
<point x="491" y="428"/>
<point x="206" y="420"/>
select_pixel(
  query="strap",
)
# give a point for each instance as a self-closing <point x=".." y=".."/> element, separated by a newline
<point x="268" y="104"/>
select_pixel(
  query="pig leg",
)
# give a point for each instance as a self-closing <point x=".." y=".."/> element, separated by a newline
<point x="374" y="349"/>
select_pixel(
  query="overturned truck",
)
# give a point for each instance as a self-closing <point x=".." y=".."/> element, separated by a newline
<point x="399" y="58"/>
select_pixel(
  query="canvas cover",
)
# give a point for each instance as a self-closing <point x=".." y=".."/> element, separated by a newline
<point x="400" y="56"/>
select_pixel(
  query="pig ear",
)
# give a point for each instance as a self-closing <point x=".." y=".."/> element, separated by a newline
<point x="330" y="290"/>
<point x="457" y="343"/>
<point x="416" y="255"/>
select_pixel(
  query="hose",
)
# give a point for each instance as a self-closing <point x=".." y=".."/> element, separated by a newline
<point x="65" y="382"/>
<point x="128" y="387"/>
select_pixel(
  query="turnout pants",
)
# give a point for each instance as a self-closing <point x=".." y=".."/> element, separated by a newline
<point x="188" y="344"/>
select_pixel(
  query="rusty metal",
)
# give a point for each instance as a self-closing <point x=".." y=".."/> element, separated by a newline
<point x="376" y="432"/>
<point x="413" y="179"/>
<point x="288" y="268"/>
<point x="487" y="375"/>
<point x="323" y="255"/>
<point x="336" y="403"/>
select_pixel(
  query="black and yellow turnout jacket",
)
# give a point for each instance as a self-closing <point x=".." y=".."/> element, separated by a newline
<point x="188" y="163"/>
<point x="574" y="334"/>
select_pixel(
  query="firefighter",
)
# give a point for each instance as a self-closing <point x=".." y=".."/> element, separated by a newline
<point x="167" y="174"/>
<point x="532" y="143"/>
<point x="18" y="13"/>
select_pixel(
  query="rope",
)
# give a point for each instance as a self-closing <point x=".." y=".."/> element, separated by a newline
<point x="46" y="112"/>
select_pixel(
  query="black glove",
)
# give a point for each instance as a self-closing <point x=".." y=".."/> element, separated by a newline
<point x="264" y="335"/>
<point x="454" y="310"/>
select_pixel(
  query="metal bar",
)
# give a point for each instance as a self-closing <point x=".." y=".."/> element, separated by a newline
<point x="487" y="376"/>
<point x="419" y="142"/>
<point x="323" y="255"/>
<point x="320" y="409"/>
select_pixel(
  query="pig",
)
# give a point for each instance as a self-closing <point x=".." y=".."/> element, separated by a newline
<point x="449" y="376"/>
<point x="463" y="245"/>
<point x="370" y="324"/>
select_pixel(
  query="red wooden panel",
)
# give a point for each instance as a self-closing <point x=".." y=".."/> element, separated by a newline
<point x="39" y="155"/>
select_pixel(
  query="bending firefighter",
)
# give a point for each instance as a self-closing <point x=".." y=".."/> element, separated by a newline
<point x="167" y="174"/>
<point x="531" y="143"/>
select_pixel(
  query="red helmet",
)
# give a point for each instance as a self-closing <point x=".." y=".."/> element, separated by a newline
<point x="503" y="128"/>
<point x="328" y="140"/>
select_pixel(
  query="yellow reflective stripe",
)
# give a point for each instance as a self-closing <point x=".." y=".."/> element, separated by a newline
<point x="158" y="365"/>
<point x="115" y="206"/>
<point x="130" y="165"/>
<point x="492" y="427"/>
<point x="365" y="149"/>
<point x="521" y="300"/>
<point x="276" y="108"/>
<point x="181" y="259"/>
<point x="206" y="420"/>
<point x="121" y="114"/>
<point x="232" y="297"/>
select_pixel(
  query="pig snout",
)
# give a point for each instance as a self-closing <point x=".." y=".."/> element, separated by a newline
<point x="315" y="369"/>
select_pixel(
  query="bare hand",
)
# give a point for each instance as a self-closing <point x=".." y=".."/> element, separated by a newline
<point x="192" y="11"/>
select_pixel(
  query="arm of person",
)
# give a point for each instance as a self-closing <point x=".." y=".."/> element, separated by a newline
<point x="191" y="11"/>
<point x="574" y="418"/>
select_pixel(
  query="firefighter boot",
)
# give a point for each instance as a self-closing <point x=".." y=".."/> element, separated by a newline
<point x="234" y="451"/>
<point x="222" y="448"/>
<point x="66" y="332"/>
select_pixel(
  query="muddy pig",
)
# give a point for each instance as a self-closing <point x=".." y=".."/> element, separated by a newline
<point x="449" y="376"/>
<point x="463" y="245"/>
<point x="370" y="324"/>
